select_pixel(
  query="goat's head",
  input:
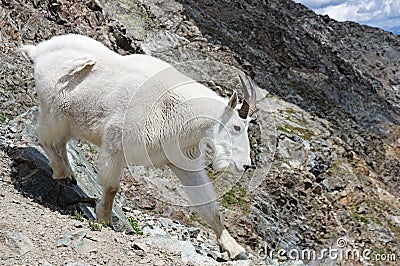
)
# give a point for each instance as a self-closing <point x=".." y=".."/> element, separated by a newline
<point x="230" y="140"/>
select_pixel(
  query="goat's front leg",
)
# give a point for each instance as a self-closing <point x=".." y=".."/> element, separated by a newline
<point x="110" y="165"/>
<point x="53" y="137"/>
<point x="202" y="195"/>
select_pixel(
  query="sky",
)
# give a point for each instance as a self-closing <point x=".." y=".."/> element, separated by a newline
<point x="379" y="13"/>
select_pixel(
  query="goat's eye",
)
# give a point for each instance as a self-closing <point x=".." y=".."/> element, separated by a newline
<point x="237" y="128"/>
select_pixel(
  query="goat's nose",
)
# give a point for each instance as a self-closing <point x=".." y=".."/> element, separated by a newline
<point x="246" y="166"/>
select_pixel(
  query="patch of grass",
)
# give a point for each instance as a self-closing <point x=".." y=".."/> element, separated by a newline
<point x="338" y="168"/>
<point x="235" y="196"/>
<point x="252" y="140"/>
<point x="212" y="174"/>
<point x="95" y="225"/>
<point x="297" y="117"/>
<point x="302" y="132"/>
<point x="394" y="229"/>
<point x="135" y="226"/>
<point x="360" y="218"/>
<point x="91" y="149"/>
<point x="3" y="118"/>
<point x="377" y="221"/>
<point x="283" y="129"/>
<point x="77" y="216"/>
<point x="291" y="111"/>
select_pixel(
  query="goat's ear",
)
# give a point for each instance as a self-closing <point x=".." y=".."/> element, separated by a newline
<point x="233" y="101"/>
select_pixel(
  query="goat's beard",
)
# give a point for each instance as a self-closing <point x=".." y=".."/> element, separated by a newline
<point x="223" y="159"/>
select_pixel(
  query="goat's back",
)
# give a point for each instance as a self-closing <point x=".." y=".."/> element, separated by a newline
<point x="96" y="89"/>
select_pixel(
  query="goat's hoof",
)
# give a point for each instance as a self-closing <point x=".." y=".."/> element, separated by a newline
<point x="105" y="222"/>
<point x="72" y="181"/>
<point x="68" y="181"/>
<point x="242" y="256"/>
<point x="90" y="201"/>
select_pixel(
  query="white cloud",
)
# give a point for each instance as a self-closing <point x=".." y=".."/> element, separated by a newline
<point x="319" y="3"/>
<point x="380" y="13"/>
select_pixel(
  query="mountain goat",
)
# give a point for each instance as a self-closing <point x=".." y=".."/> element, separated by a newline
<point x="138" y="110"/>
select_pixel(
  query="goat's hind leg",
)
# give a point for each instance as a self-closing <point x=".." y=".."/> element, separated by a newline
<point x="110" y="166"/>
<point x="201" y="193"/>
<point x="52" y="138"/>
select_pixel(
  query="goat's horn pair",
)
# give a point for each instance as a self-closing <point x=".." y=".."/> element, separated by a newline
<point x="249" y="103"/>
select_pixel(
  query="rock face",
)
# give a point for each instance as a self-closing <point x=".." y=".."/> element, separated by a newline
<point x="326" y="141"/>
<point x="308" y="59"/>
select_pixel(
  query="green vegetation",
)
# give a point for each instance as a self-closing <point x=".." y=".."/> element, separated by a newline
<point x="359" y="217"/>
<point x="235" y="196"/>
<point x="338" y="168"/>
<point x="3" y="118"/>
<point x="211" y="174"/>
<point x="91" y="149"/>
<point x="135" y="226"/>
<point x="95" y="225"/>
<point x="291" y="111"/>
<point x="301" y="127"/>
<point x="283" y="129"/>
<point x="252" y="140"/>
<point x="77" y="216"/>
<point x="300" y="131"/>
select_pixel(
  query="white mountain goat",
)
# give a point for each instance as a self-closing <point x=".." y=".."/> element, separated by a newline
<point x="138" y="110"/>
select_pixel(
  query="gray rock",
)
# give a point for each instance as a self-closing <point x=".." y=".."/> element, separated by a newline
<point x="382" y="234"/>
<point x="193" y="232"/>
<point x="332" y="183"/>
<point x="186" y="249"/>
<point x="394" y="220"/>
<point x="292" y="151"/>
<point x="18" y="243"/>
<point x="70" y="238"/>
<point x="78" y="241"/>
<point x="218" y="256"/>
<point x="165" y="222"/>
<point x="84" y="246"/>
<point x="77" y="263"/>
<point x="153" y="231"/>
<point x="140" y="246"/>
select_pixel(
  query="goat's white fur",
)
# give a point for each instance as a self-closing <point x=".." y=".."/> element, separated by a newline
<point x="137" y="108"/>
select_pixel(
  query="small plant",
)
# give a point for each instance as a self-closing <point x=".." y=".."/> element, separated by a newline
<point x="304" y="133"/>
<point x="360" y="218"/>
<point x="3" y="118"/>
<point x="91" y="149"/>
<point x="135" y="226"/>
<point x="235" y="196"/>
<point x="95" y="225"/>
<point x="77" y="216"/>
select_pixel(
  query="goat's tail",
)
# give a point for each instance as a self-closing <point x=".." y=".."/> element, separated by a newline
<point x="30" y="50"/>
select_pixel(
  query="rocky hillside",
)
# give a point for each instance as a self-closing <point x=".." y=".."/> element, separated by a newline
<point x="326" y="141"/>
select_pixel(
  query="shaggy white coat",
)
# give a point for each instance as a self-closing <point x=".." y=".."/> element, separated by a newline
<point x="139" y="110"/>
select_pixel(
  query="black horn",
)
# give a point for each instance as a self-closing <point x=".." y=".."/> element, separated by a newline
<point x="249" y="103"/>
<point x="252" y="97"/>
